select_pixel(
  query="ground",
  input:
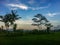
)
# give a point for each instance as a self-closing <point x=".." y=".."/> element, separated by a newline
<point x="31" y="39"/>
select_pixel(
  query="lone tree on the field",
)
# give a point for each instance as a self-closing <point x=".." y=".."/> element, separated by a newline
<point x="39" y="19"/>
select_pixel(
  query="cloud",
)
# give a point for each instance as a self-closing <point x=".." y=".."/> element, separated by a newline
<point x="26" y="24"/>
<point x="23" y="21"/>
<point x="25" y="7"/>
<point x="38" y="8"/>
<point x="55" y="23"/>
<point x="57" y="27"/>
<point x="52" y="14"/>
<point x="21" y="6"/>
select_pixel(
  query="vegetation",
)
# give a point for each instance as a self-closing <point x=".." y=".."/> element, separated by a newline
<point x="20" y="38"/>
<point x="28" y="37"/>
<point x="9" y="18"/>
<point x="41" y="20"/>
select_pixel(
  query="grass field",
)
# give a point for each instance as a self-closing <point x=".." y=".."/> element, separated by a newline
<point x="31" y="39"/>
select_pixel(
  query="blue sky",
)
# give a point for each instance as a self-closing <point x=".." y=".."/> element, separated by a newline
<point x="28" y="8"/>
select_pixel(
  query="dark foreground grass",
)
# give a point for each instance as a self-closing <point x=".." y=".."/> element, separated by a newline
<point x="31" y="39"/>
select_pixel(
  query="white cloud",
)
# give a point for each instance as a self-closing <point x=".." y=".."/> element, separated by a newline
<point x="52" y="14"/>
<point x="25" y="7"/>
<point x="21" y="6"/>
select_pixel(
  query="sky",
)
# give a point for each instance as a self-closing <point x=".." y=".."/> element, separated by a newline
<point x="28" y="8"/>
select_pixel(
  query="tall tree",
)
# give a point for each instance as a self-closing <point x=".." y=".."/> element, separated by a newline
<point x="39" y="20"/>
<point x="13" y="17"/>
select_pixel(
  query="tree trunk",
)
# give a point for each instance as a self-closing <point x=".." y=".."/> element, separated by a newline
<point x="48" y="30"/>
<point x="7" y="26"/>
<point x="14" y="27"/>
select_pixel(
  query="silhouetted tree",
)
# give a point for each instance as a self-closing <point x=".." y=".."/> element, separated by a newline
<point x="9" y="18"/>
<point x="39" y="20"/>
<point x="14" y="17"/>
<point x="48" y="27"/>
<point x="5" y="19"/>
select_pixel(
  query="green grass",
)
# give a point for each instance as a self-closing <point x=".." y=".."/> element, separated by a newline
<point x="31" y="39"/>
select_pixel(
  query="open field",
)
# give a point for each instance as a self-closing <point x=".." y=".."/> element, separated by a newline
<point x="30" y="39"/>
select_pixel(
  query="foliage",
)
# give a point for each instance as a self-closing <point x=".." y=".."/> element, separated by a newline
<point x="9" y="18"/>
<point x="13" y="16"/>
<point x="39" y="20"/>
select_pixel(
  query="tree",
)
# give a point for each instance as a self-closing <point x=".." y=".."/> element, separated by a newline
<point x="14" y="27"/>
<point x="9" y="18"/>
<point x="48" y="25"/>
<point x="39" y="20"/>
<point x="5" y="20"/>
<point x="13" y="17"/>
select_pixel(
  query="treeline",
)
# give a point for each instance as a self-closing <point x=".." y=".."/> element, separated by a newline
<point x="26" y="32"/>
